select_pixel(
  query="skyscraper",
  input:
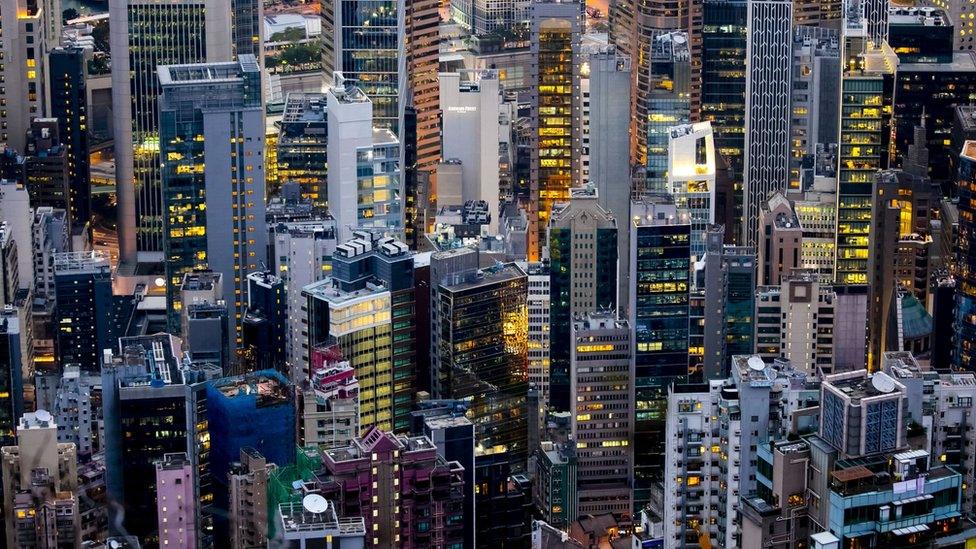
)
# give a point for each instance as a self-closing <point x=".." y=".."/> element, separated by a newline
<point x="364" y="180"/>
<point x="691" y="177"/>
<point x="965" y="258"/>
<point x="667" y="104"/>
<point x="582" y="279"/>
<point x="83" y="293"/>
<point x="865" y="132"/>
<point x="30" y="30"/>
<point x="148" y="34"/>
<point x="369" y="49"/>
<point x="211" y="132"/>
<point x="302" y="146"/>
<point x="660" y="257"/>
<point x="69" y="104"/>
<point x="555" y="140"/>
<point x="769" y="50"/>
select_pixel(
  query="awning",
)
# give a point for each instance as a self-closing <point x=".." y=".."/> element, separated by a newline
<point x="910" y="530"/>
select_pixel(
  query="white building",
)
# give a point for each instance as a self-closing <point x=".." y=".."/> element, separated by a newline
<point x="300" y="254"/>
<point x="470" y="108"/>
<point x="712" y="436"/>
<point x="539" y="329"/>
<point x="691" y="177"/>
<point x="364" y="186"/>
<point x="15" y="210"/>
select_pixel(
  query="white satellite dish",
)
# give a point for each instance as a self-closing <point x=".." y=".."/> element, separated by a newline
<point x="882" y="382"/>
<point x="756" y="363"/>
<point x="43" y="415"/>
<point x="314" y="503"/>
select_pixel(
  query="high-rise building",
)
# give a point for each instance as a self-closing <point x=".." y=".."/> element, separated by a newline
<point x="254" y="410"/>
<point x="211" y="144"/>
<point x="300" y="253"/>
<point x="149" y="34"/>
<point x="483" y="17"/>
<point x="691" y="178"/>
<point x="582" y="279"/>
<point x="554" y="485"/>
<point x="367" y="44"/>
<point x="15" y="210"/>
<point x="724" y="85"/>
<point x="30" y="30"/>
<point x="83" y="293"/>
<point x="725" y="278"/>
<point x="39" y="480"/>
<point x="145" y="387"/>
<point x="484" y="360"/>
<point x="175" y="501"/>
<point x="660" y="263"/>
<point x="68" y="82"/>
<point x="11" y="376"/>
<point x="602" y="380"/>
<point x="266" y="322"/>
<point x="865" y="131"/>
<point x="422" y="32"/>
<point x="540" y="346"/>
<point x="248" y="482"/>
<point x="555" y="139"/>
<point x="769" y="50"/>
<point x="964" y="356"/>
<point x="45" y="166"/>
<point x="471" y="102"/>
<point x="814" y="116"/>
<point x="795" y="321"/>
<point x="401" y="487"/>
<point x="364" y="180"/>
<point x="303" y="145"/>
<point x="247" y="32"/>
<point x="863" y="414"/>
<point x="367" y="308"/>
<point x="667" y="104"/>
<point x="329" y="413"/>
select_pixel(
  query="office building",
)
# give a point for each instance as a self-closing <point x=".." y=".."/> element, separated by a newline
<point x="146" y="386"/>
<point x="174" y="32"/>
<point x="364" y="179"/>
<point x="247" y="33"/>
<point x="602" y="380"/>
<point x="175" y="501"/>
<point x="486" y="362"/>
<point x="958" y="11"/>
<point x="265" y="324"/>
<point x="31" y="30"/>
<point x="45" y="166"/>
<point x="540" y="347"/>
<point x="780" y="246"/>
<point x="211" y="131"/>
<point x="582" y="279"/>
<point x="83" y="293"/>
<point x="422" y="31"/>
<point x="482" y="17"/>
<point x="660" y="252"/>
<point x="725" y="284"/>
<point x="866" y="95"/>
<point x="302" y="147"/>
<point x="814" y="116"/>
<point x="554" y="489"/>
<point x="203" y="317"/>
<point x="964" y="355"/>
<point x="377" y="65"/>
<point x="691" y="178"/>
<point x="11" y="376"/>
<point x="248" y="484"/>
<point x="300" y="253"/>
<point x="77" y="410"/>
<point x="667" y="105"/>
<point x="555" y="138"/>
<point x="398" y="484"/>
<point x="795" y="321"/>
<point x="367" y="308"/>
<point x="862" y="413"/>
<point x="15" y="210"/>
<point x="769" y="49"/>
<point x="38" y="461"/>
<point x="68" y="83"/>
<point x="471" y="103"/>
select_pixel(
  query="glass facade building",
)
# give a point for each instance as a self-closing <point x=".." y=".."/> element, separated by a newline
<point x="965" y="259"/>
<point x="69" y="104"/>
<point x="667" y="103"/>
<point x="660" y="313"/>
<point x="302" y="149"/>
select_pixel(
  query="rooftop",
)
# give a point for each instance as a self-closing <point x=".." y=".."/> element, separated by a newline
<point x="304" y="107"/>
<point x="197" y="73"/>
<point x="491" y="275"/>
<point x="859" y="385"/>
<point x="267" y="386"/>
<point x="312" y="515"/>
<point x="917" y="15"/>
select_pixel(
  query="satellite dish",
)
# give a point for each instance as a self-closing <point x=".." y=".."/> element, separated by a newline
<point x="756" y="363"/>
<point x="314" y="503"/>
<point x="43" y="415"/>
<point x="882" y="382"/>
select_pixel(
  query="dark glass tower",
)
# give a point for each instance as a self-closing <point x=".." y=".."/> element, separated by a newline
<point x="660" y="257"/>
<point x="965" y="252"/>
<point x="69" y="104"/>
<point x="83" y="292"/>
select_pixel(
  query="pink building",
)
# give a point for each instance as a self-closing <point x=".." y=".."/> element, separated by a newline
<point x="176" y="504"/>
<point x="408" y="496"/>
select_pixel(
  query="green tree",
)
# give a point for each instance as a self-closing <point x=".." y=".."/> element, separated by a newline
<point x="69" y="14"/>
